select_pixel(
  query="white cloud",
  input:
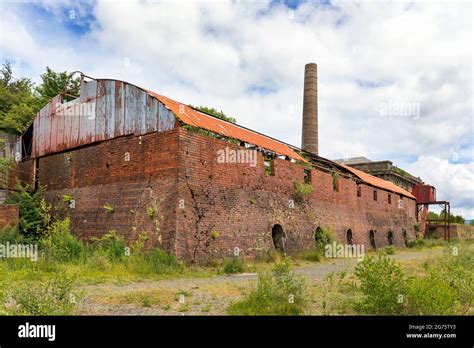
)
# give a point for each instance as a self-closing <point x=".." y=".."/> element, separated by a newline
<point x="220" y="53"/>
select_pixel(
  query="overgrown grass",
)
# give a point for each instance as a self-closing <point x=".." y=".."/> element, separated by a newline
<point x="445" y="288"/>
<point x="279" y="292"/>
<point x="55" y="297"/>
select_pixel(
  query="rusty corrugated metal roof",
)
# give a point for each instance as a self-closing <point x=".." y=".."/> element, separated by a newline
<point x="192" y="117"/>
<point x="377" y="182"/>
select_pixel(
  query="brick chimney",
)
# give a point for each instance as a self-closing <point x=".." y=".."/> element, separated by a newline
<point x="309" y="139"/>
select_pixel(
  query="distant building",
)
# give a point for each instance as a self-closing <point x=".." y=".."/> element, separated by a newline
<point x="384" y="170"/>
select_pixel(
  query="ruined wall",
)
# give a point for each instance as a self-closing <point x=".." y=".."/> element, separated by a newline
<point x="133" y="176"/>
<point x="457" y="231"/>
<point x="9" y="214"/>
<point x="228" y="206"/>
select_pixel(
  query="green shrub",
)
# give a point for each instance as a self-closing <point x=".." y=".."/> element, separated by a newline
<point x="10" y="234"/>
<point x="389" y="250"/>
<point x="279" y="292"/>
<point x="233" y="265"/>
<point x="34" y="212"/>
<point x="382" y="282"/>
<point x="416" y="243"/>
<point x="59" y="244"/>
<point x="112" y="245"/>
<point x="324" y="236"/>
<point x="56" y="297"/>
<point x="430" y="295"/>
<point x="302" y="190"/>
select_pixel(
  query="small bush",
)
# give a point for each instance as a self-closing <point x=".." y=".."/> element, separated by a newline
<point x="382" y="282"/>
<point x="302" y="190"/>
<point x="10" y="234"/>
<point x="53" y="298"/>
<point x="233" y="265"/>
<point x="59" y="244"/>
<point x="429" y="295"/>
<point x="112" y="244"/>
<point x="34" y="212"/>
<point x="324" y="236"/>
<point x="416" y="243"/>
<point x="389" y="250"/>
<point x="279" y="292"/>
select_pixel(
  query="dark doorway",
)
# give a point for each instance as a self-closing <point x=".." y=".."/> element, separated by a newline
<point x="390" y="238"/>
<point x="277" y="236"/>
<point x="372" y="239"/>
<point x="405" y="237"/>
<point x="349" y="237"/>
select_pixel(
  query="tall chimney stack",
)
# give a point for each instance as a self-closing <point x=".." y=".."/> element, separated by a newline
<point x="309" y="140"/>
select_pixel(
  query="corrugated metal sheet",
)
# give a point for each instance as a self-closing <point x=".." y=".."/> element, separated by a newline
<point x="104" y="110"/>
<point x="198" y="119"/>
<point x="377" y="182"/>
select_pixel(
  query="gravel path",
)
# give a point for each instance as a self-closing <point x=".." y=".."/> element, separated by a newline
<point x="201" y="296"/>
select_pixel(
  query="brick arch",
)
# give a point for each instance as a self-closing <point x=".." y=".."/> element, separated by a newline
<point x="349" y="237"/>
<point x="278" y="238"/>
<point x="372" y="242"/>
<point x="390" y="238"/>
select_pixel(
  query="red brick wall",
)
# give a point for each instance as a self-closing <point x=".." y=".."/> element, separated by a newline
<point x="99" y="175"/>
<point x="23" y="173"/>
<point x="195" y="198"/>
<point x="240" y="204"/>
<point x="8" y="215"/>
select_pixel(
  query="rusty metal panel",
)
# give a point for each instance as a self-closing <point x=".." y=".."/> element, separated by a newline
<point x="47" y="127"/>
<point x="152" y="114"/>
<point x="110" y="109"/>
<point x="166" y="119"/>
<point x="56" y="118"/>
<point x="74" y="131"/>
<point x="67" y="141"/>
<point x="119" y="108"/>
<point x="130" y="110"/>
<point x="135" y="115"/>
<point x="87" y="121"/>
<point x="101" y="114"/>
<point x="34" y="141"/>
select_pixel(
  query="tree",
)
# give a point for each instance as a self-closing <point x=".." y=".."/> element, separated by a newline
<point x="20" y="100"/>
<point x="17" y="103"/>
<point x="54" y="83"/>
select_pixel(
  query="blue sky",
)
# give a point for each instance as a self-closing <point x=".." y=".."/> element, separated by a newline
<point x="248" y="60"/>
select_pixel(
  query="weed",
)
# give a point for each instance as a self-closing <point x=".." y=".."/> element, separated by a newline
<point x="279" y="292"/>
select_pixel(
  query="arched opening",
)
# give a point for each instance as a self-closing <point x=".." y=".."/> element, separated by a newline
<point x="405" y="237"/>
<point x="372" y="239"/>
<point x="390" y="238"/>
<point x="277" y="236"/>
<point x="349" y="237"/>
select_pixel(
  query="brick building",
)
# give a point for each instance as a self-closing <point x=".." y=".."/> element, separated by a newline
<point x="384" y="170"/>
<point x="126" y="159"/>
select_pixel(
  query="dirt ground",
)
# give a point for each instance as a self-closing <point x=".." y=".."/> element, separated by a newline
<point x="208" y="296"/>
